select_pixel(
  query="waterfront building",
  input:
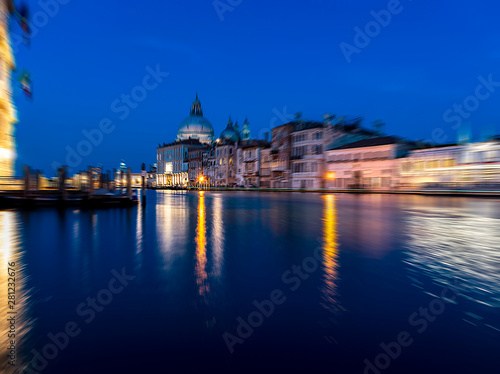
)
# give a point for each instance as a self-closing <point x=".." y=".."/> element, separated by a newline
<point x="173" y="162"/>
<point x="455" y="165"/>
<point x="369" y="163"/>
<point x="196" y="165"/>
<point x="306" y="161"/>
<point x="195" y="126"/>
<point x="8" y="115"/>
<point x="249" y="155"/>
<point x="209" y="161"/>
<point x="225" y="153"/>
<point x="280" y="155"/>
<point x="265" y="168"/>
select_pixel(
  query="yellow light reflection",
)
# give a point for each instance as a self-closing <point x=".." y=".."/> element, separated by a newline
<point x="201" y="247"/>
<point x="330" y="253"/>
<point x="10" y="253"/>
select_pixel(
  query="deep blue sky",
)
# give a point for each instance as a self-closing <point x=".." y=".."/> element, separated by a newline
<point x="264" y="56"/>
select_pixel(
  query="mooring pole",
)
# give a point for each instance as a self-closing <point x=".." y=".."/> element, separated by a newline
<point x="90" y="177"/>
<point x="62" y="183"/>
<point x="143" y="175"/>
<point x="26" y="180"/>
<point x="129" y="184"/>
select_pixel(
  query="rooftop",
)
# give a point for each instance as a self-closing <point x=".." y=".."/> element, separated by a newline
<point x="372" y="142"/>
<point x="254" y="143"/>
<point x="182" y="142"/>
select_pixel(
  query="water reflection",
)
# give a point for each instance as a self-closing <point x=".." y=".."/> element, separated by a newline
<point x="201" y="248"/>
<point x="172" y="221"/>
<point x="330" y="254"/>
<point x="217" y="236"/>
<point x="10" y="252"/>
<point x="447" y="244"/>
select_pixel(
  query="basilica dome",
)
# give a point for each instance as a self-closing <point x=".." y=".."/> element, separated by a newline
<point x="195" y="126"/>
<point x="231" y="133"/>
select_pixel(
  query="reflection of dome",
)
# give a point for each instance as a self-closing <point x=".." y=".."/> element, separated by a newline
<point x="230" y="133"/>
<point x="195" y="126"/>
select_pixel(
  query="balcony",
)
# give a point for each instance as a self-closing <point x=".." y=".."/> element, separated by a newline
<point x="278" y="166"/>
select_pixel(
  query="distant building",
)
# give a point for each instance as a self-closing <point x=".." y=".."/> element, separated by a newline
<point x="195" y="157"/>
<point x="195" y="126"/>
<point x="280" y="154"/>
<point x="369" y="164"/>
<point x="209" y="161"/>
<point x="225" y="164"/>
<point x="249" y="162"/>
<point x="308" y="144"/>
<point x="173" y="162"/>
<point x="265" y="168"/>
<point x="8" y="116"/>
<point x="451" y="166"/>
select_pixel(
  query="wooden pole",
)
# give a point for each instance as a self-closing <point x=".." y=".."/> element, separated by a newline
<point x="129" y="183"/>
<point x="62" y="183"/>
<point x="26" y="180"/>
<point x="90" y="177"/>
<point x="143" y="172"/>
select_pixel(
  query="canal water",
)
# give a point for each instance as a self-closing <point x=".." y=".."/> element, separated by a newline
<point x="240" y="282"/>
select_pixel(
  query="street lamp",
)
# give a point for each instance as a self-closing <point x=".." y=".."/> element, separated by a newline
<point x="202" y="178"/>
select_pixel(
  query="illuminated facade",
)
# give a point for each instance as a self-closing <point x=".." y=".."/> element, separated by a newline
<point x="173" y="162"/>
<point x="368" y="164"/>
<point x="7" y="109"/>
<point x="249" y="159"/>
<point x="308" y="144"/>
<point x="461" y="165"/>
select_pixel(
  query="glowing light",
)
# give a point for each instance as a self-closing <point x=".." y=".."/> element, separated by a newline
<point x="6" y="154"/>
<point x="202" y="178"/>
<point x="201" y="245"/>
<point x="331" y="175"/>
<point x="330" y="253"/>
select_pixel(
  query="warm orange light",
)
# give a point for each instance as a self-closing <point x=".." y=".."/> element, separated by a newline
<point x="202" y="178"/>
<point x="330" y="175"/>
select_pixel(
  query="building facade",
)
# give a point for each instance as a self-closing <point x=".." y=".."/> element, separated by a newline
<point x="308" y="142"/>
<point x="225" y="164"/>
<point x="8" y="116"/>
<point x="366" y="164"/>
<point x="249" y="162"/>
<point x="280" y="154"/>
<point x="173" y="162"/>
<point x="265" y="168"/>
<point x="468" y="165"/>
<point x="196" y="157"/>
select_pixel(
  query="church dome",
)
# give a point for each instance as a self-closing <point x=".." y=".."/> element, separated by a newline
<point x="230" y="133"/>
<point x="195" y="126"/>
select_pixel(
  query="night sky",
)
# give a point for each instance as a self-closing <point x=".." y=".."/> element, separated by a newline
<point x="266" y="60"/>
